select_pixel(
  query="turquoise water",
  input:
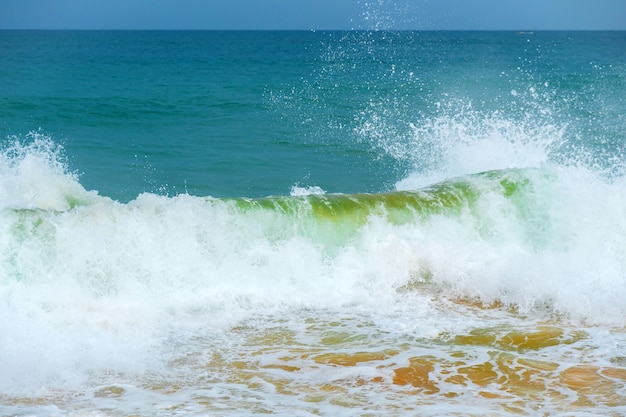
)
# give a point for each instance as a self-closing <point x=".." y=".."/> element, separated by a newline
<point x="254" y="113"/>
<point x="312" y="223"/>
<point x="197" y="112"/>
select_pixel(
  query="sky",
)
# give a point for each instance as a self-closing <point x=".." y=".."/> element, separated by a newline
<point x="315" y="14"/>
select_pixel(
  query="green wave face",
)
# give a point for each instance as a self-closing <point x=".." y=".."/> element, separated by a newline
<point x="398" y="207"/>
<point x="341" y="215"/>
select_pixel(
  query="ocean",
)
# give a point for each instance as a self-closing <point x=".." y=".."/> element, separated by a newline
<point x="303" y="223"/>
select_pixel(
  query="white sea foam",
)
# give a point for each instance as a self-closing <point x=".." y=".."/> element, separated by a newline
<point x="33" y="174"/>
<point x="474" y="142"/>
<point x="102" y="288"/>
<point x="297" y="190"/>
<point x="571" y="241"/>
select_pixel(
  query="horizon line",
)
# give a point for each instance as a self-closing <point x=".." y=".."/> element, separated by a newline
<point x="521" y="31"/>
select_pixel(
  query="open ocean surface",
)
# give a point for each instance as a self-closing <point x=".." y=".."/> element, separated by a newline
<point x="312" y="223"/>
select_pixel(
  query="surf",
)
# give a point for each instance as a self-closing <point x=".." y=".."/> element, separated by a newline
<point x="514" y="236"/>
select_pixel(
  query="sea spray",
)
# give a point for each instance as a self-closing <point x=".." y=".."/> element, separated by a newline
<point x="34" y="174"/>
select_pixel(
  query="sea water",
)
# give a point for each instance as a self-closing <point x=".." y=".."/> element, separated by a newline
<point x="312" y="223"/>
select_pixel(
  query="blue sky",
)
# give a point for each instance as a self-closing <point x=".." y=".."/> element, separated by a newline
<point x="315" y="14"/>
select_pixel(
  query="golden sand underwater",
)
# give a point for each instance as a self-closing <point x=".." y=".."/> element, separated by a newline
<point x="349" y="366"/>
